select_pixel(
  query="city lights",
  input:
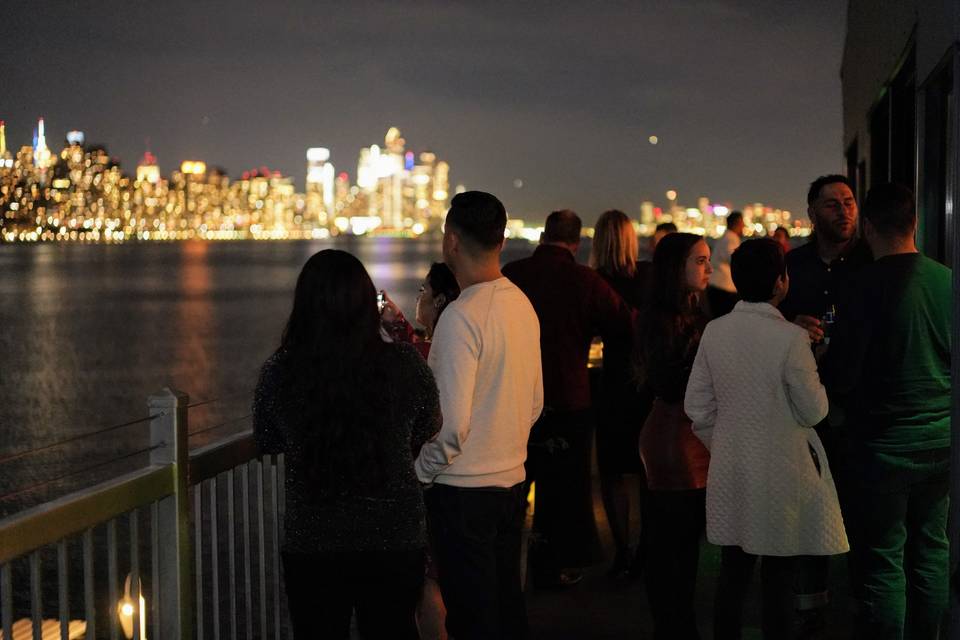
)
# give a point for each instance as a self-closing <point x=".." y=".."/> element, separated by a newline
<point x="81" y="194"/>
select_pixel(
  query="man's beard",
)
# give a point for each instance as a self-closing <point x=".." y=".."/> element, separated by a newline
<point x="829" y="232"/>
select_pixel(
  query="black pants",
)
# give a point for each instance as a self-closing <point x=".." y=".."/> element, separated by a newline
<point x="676" y="523"/>
<point x="558" y="460"/>
<point x="776" y="579"/>
<point x="323" y="590"/>
<point x="475" y="541"/>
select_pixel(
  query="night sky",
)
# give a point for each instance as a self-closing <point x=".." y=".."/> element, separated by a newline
<point x="743" y="96"/>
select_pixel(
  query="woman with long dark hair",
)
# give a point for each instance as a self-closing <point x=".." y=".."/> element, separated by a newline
<point x="674" y="459"/>
<point x="439" y="288"/>
<point x="621" y="407"/>
<point x="350" y="411"/>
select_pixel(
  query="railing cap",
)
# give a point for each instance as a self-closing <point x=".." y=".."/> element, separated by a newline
<point x="168" y="398"/>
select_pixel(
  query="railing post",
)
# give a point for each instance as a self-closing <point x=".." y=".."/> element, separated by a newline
<point x="168" y="432"/>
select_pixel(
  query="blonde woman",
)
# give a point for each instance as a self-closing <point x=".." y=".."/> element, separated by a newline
<point x="621" y="409"/>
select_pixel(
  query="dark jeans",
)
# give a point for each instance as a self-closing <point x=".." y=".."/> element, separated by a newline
<point x="904" y="555"/>
<point x="558" y="460"/>
<point x="676" y="524"/>
<point x="475" y="541"/>
<point x="813" y="572"/>
<point x="776" y="580"/>
<point x="323" y="590"/>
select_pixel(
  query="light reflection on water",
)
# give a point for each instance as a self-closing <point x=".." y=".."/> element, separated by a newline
<point x="87" y="332"/>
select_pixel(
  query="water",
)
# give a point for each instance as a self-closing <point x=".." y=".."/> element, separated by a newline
<point x="87" y="332"/>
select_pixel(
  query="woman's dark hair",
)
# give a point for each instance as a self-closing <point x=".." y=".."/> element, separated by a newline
<point x="674" y="314"/>
<point x="336" y="367"/>
<point x="670" y="294"/>
<point x="442" y="282"/>
<point x="755" y="267"/>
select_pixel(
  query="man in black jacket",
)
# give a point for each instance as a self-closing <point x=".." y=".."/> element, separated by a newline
<point x="821" y="272"/>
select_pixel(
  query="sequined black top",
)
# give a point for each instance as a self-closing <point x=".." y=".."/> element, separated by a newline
<point x="390" y="517"/>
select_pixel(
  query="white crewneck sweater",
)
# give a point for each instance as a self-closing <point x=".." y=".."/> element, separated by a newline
<point x="485" y="357"/>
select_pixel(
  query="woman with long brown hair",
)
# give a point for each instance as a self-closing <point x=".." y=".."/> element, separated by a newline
<point x="674" y="459"/>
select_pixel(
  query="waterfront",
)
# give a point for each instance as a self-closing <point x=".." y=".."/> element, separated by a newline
<point x="88" y="331"/>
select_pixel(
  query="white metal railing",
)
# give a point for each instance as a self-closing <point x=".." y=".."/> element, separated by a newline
<point x="214" y="556"/>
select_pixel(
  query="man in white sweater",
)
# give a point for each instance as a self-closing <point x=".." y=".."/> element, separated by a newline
<point x="721" y="292"/>
<point x="486" y="359"/>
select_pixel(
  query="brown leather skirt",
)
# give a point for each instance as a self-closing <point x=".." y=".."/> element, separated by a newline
<point x="672" y="456"/>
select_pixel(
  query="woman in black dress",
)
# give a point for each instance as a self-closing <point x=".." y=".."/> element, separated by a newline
<point x="350" y="411"/>
<point x="621" y="407"/>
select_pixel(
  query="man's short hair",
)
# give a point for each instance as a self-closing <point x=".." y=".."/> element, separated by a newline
<point x="891" y="209"/>
<point x="666" y="227"/>
<point x="479" y="219"/>
<point x="562" y="226"/>
<point x="755" y="266"/>
<point x="734" y="219"/>
<point x="814" y="192"/>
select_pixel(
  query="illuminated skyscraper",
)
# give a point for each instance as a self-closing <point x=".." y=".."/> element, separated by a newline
<point x="147" y="170"/>
<point x="41" y="153"/>
<point x="6" y="159"/>
<point x="319" y="187"/>
<point x="646" y="212"/>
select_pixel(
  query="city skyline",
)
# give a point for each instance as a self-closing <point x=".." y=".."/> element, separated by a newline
<point x="320" y="171"/>
<point x="562" y="99"/>
<point x="81" y="193"/>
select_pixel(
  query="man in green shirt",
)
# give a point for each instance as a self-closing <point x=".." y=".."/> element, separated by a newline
<point x="889" y="360"/>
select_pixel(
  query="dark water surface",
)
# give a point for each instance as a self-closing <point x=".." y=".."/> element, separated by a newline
<point x="87" y="332"/>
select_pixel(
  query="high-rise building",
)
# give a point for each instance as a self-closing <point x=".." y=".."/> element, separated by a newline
<point x="147" y="170"/>
<point x="41" y="153"/>
<point x="646" y="212"/>
<point x="6" y="160"/>
<point x="320" y="196"/>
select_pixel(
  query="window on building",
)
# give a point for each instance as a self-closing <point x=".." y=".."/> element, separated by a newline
<point x="853" y="157"/>
<point x="903" y="123"/>
<point x="938" y="130"/>
<point x="880" y="141"/>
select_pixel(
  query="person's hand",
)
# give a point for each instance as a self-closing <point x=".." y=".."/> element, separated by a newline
<point x="812" y="327"/>
<point x="391" y="312"/>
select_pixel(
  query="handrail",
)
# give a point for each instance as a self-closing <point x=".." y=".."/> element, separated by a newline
<point x="220" y="425"/>
<point x="181" y="489"/>
<point x="211" y="460"/>
<point x="240" y="394"/>
<point x="45" y="524"/>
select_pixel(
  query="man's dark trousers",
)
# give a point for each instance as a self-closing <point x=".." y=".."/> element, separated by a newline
<point x="558" y="461"/>
<point x="475" y="538"/>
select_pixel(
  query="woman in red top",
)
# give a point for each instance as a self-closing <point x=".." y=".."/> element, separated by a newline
<point x="438" y="290"/>
<point x="674" y="459"/>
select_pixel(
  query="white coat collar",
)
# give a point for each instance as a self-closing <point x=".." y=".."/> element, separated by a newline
<point x="759" y="308"/>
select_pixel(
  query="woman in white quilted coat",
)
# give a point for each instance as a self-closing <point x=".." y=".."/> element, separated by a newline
<point x="753" y="396"/>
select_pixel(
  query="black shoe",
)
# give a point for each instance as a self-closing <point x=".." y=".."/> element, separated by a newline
<point x="620" y="567"/>
<point x="563" y="580"/>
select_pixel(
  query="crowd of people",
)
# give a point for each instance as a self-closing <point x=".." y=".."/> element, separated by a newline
<point x="791" y="405"/>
